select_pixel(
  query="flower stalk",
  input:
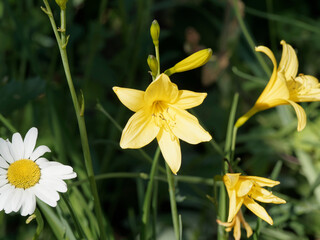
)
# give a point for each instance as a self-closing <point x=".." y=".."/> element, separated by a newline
<point x="173" y="203"/>
<point x="62" y="42"/>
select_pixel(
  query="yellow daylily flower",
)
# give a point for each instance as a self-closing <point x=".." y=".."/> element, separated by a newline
<point x="160" y="112"/>
<point x="285" y="87"/>
<point x="236" y="225"/>
<point x="245" y="190"/>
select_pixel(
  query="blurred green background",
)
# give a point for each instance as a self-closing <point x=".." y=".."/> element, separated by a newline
<point x="108" y="46"/>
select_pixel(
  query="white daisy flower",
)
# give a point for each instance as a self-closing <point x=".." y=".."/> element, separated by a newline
<point x="25" y="175"/>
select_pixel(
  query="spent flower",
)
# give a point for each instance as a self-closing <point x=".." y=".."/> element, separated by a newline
<point x="285" y="87"/>
<point x="236" y="225"/>
<point x="245" y="190"/>
<point x="25" y="174"/>
<point x="160" y="112"/>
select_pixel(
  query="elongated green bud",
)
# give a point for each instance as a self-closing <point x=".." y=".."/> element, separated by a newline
<point x="62" y="4"/>
<point x="155" y="32"/>
<point x="153" y="65"/>
<point x="193" y="61"/>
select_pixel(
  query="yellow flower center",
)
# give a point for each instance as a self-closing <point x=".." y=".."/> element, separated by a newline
<point x="23" y="173"/>
<point x="163" y="116"/>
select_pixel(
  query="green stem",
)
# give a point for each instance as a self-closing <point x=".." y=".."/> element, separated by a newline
<point x="7" y="124"/>
<point x="145" y="176"/>
<point x="158" y="58"/>
<point x="147" y="198"/>
<point x="248" y="37"/>
<point x="229" y="152"/>
<point x="174" y="212"/>
<point x="230" y="132"/>
<point x="73" y="216"/>
<point x="80" y="117"/>
<point x="39" y="220"/>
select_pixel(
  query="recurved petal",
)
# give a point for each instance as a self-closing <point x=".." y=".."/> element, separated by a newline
<point x="245" y="224"/>
<point x="257" y="210"/>
<point x="237" y="229"/>
<point x="187" y="127"/>
<point x="161" y="89"/>
<point x="188" y="99"/>
<point x="289" y="61"/>
<point x="273" y="78"/>
<point x="301" y="115"/>
<point x="307" y="88"/>
<point x="170" y="149"/>
<point x="131" y="98"/>
<point x="263" y="195"/>
<point x="139" y="131"/>
<point x="261" y="181"/>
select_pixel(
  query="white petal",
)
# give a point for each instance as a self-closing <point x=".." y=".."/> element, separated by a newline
<point x="4" y="151"/>
<point x="3" y="171"/>
<point x="17" y="147"/>
<point x="39" y="152"/>
<point x="16" y="200"/>
<point x="3" y="182"/>
<point x="50" y="197"/>
<point x="5" y="188"/>
<point x="54" y="183"/>
<point x="8" y="203"/>
<point x="30" y="142"/>
<point x="3" y="163"/>
<point x="68" y="176"/>
<point x="6" y="193"/>
<point x="58" y="170"/>
<point x="41" y="161"/>
<point x="29" y="203"/>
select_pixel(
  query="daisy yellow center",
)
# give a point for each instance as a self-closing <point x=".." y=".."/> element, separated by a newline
<point x="163" y="116"/>
<point x="23" y="173"/>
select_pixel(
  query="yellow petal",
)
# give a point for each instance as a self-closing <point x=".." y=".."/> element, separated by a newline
<point x="161" y="89"/>
<point x="257" y="210"/>
<point x="193" y="61"/>
<point x="231" y="179"/>
<point x="237" y="229"/>
<point x="275" y="95"/>
<point x="139" y="131"/>
<point x="260" y="181"/>
<point x="244" y="187"/>
<point x="245" y="224"/>
<point x="273" y="78"/>
<point x="227" y="224"/>
<point x="187" y="127"/>
<point x="289" y="61"/>
<point x="305" y="88"/>
<point x="131" y="98"/>
<point x="234" y="205"/>
<point x="263" y="195"/>
<point x="170" y="148"/>
<point x="301" y="115"/>
<point x="188" y="99"/>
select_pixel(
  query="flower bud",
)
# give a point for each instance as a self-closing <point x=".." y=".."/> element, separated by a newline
<point x="193" y="61"/>
<point x="153" y="65"/>
<point x="155" y="32"/>
<point x="62" y="4"/>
